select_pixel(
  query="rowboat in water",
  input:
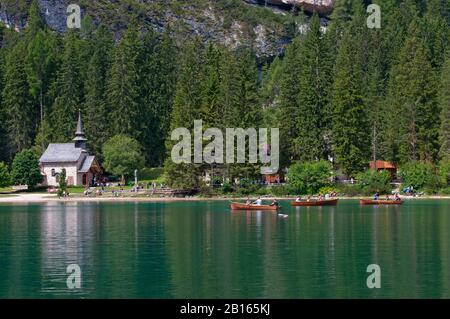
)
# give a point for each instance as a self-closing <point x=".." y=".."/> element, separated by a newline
<point x="240" y="206"/>
<point x="325" y="202"/>
<point x="380" y="202"/>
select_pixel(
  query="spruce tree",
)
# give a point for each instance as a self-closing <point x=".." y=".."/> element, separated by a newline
<point x="444" y="102"/>
<point x="123" y="87"/>
<point x="19" y="115"/>
<point x="41" y="67"/>
<point x="210" y="107"/>
<point x="350" y="125"/>
<point x="186" y="109"/>
<point x="3" y="134"/>
<point x="289" y="110"/>
<point x="412" y="113"/>
<point x="312" y="123"/>
<point x="96" y="110"/>
<point x="436" y="33"/>
<point x="68" y="91"/>
<point x="157" y="84"/>
<point x="35" y="21"/>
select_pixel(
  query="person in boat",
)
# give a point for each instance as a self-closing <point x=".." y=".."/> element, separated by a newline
<point x="299" y="199"/>
<point x="388" y="197"/>
<point x="397" y="197"/>
<point x="258" y="201"/>
<point x="274" y="203"/>
<point x="376" y="196"/>
<point x="248" y="202"/>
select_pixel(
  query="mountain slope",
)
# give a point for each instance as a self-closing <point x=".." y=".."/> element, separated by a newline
<point x="230" y="22"/>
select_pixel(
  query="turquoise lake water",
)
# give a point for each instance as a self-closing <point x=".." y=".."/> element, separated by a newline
<point x="203" y="250"/>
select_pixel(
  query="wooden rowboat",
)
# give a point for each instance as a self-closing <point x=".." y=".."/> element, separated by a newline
<point x="380" y="202"/>
<point x="240" y="206"/>
<point x="326" y="202"/>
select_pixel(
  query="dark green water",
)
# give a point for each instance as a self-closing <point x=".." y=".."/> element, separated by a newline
<point x="202" y="250"/>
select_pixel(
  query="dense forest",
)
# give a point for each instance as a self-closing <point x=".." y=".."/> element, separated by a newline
<point x="349" y="94"/>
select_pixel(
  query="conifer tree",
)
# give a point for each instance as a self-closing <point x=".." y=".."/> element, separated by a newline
<point x="186" y="109"/>
<point x="123" y="87"/>
<point x="96" y="108"/>
<point x="17" y="102"/>
<point x="444" y="101"/>
<point x="67" y="91"/>
<point x="35" y="21"/>
<point x="312" y="124"/>
<point x="412" y="113"/>
<point x="289" y="91"/>
<point x="211" y="108"/>
<point x="157" y="84"/>
<point x="41" y="67"/>
<point x="349" y="132"/>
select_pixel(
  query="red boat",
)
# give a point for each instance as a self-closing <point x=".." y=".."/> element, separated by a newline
<point x="380" y="202"/>
<point x="325" y="202"/>
<point x="240" y="206"/>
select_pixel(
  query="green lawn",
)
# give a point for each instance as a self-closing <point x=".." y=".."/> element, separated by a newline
<point x="5" y="189"/>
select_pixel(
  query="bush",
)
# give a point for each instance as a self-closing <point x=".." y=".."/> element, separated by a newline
<point x="420" y="175"/>
<point x="244" y="190"/>
<point x="122" y="155"/>
<point x="151" y="174"/>
<point x="62" y="183"/>
<point x="444" y="173"/>
<point x="349" y="190"/>
<point x="5" y="178"/>
<point x="284" y="190"/>
<point x="226" y="188"/>
<point x="25" y="169"/>
<point x="308" y="178"/>
<point x="328" y="190"/>
<point x="372" y="182"/>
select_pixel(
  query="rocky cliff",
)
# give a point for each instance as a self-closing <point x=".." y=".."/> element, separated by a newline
<point x="231" y="22"/>
<point x="321" y="6"/>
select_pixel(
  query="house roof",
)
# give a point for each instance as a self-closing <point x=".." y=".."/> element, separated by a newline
<point x="382" y="165"/>
<point x="89" y="160"/>
<point x="57" y="153"/>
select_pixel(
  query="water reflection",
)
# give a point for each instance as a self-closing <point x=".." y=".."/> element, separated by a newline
<point x="202" y="250"/>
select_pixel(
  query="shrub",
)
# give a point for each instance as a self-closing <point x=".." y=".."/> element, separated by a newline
<point x="419" y="175"/>
<point x="62" y="183"/>
<point x="151" y="174"/>
<point x="226" y="188"/>
<point x="122" y="155"/>
<point x="349" y="190"/>
<point x="328" y="190"/>
<point x="284" y="190"/>
<point x="5" y="178"/>
<point x="444" y="173"/>
<point x="25" y="169"/>
<point x="371" y="182"/>
<point x="309" y="177"/>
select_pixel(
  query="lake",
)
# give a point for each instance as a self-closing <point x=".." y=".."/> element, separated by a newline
<point x="203" y="250"/>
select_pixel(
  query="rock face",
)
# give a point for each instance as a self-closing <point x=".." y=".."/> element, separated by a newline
<point x="209" y="19"/>
<point x="320" y="6"/>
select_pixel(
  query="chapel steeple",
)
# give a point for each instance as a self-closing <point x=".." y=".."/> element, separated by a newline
<point x="80" y="139"/>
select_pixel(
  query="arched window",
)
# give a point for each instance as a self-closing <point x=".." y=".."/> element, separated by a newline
<point x="57" y="177"/>
<point x="53" y="172"/>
